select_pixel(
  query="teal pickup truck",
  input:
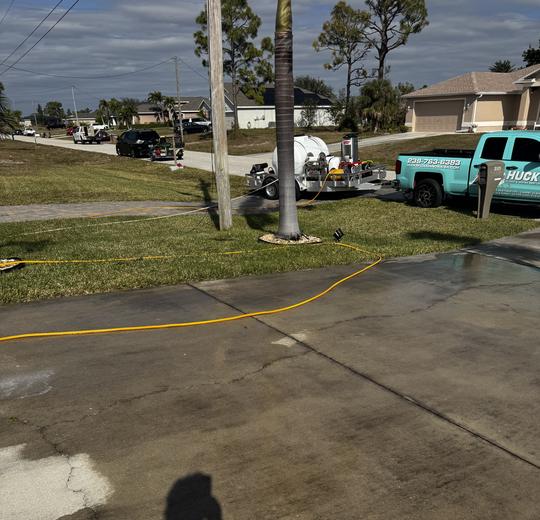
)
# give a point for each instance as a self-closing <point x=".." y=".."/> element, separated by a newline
<point x="427" y="177"/>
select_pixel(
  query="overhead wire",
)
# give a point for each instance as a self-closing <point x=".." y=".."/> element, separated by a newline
<point x="42" y="37"/>
<point x="32" y="33"/>
<point x="108" y="76"/>
<point x="7" y="11"/>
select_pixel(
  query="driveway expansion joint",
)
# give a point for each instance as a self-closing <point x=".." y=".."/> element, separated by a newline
<point x="395" y="392"/>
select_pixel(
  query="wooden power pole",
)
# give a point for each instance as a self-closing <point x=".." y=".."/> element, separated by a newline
<point x="179" y="101"/>
<point x="219" y="129"/>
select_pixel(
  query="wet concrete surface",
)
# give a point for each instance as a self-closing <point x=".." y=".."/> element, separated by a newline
<point x="410" y="392"/>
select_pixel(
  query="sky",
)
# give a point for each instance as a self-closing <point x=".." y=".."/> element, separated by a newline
<point x="112" y="37"/>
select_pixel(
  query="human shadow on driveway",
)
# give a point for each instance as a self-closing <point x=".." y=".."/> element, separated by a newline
<point x="190" y="498"/>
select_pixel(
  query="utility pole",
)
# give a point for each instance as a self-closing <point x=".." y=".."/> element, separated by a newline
<point x="180" y="117"/>
<point x="35" y="121"/>
<point x="219" y="130"/>
<point x="75" y="104"/>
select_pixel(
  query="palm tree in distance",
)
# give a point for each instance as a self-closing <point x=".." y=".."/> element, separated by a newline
<point x="157" y="99"/>
<point x="288" y="228"/>
<point x="128" y="111"/>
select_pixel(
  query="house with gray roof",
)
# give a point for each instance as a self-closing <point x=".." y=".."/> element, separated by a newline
<point x="252" y="114"/>
<point x="478" y="101"/>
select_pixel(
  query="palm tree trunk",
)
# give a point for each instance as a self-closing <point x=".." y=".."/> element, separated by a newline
<point x="288" y="218"/>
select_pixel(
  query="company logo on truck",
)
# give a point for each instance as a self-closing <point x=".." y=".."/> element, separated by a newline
<point x="522" y="177"/>
<point x="426" y="162"/>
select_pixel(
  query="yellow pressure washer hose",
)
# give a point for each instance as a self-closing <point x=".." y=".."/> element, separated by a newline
<point x="205" y="322"/>
<point x="215" y="321"/>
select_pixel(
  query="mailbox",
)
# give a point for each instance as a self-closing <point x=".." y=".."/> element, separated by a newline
<point x="490" y="175"/>
<point x="349" y="147"/>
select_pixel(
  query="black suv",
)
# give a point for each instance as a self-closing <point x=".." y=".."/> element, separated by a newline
<point x="137" y="143"/>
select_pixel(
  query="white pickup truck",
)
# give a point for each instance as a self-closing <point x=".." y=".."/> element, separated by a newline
<point x="87" y="134"/>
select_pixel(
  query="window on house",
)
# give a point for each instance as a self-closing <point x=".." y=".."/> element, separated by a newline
<point x="494" y="148"/>
<point x="526" y="150"/>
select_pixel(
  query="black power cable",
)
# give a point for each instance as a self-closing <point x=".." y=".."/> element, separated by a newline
<point x="32" y="33"/>
<point x="53" y="26"/>
<point x="7" y="11"/>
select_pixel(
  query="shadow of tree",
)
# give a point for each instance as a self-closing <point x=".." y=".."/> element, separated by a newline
<point x="442" y="237"/>
<point x="190" y="498"/>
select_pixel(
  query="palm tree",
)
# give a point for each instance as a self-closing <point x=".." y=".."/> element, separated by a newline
<point x="169" y="103"/>
<point x="103" y="112"/>
<point x="7" y="119"/>
<point x="128" y="111"/>
<point x="157" y="98"/>
<point x="115" y="109"/>
<point x="288" y="228"/>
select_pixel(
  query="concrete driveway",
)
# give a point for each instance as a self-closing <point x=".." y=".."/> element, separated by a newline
<point x="410" y="393"/>
<point x="238" y="165"/>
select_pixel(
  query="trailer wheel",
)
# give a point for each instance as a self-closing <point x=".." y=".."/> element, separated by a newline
<point x="270" y="188"/>
<point x="428" y="193"/>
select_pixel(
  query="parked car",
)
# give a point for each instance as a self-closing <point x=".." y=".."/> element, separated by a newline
<point x="194" y="127"/>
<point x="30" y="132"/>
<point x="137" y="143"/>
<point x="70" y="130"/>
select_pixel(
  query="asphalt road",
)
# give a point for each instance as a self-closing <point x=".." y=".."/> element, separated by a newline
<point x="238" y="165"/>
<point x="410" y="392"/>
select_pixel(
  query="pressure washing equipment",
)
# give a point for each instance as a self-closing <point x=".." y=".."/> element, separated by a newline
<point x="317" y="170"/>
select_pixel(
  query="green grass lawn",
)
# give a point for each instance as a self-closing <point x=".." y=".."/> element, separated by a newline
<point x="389" y="228"/>
<point x="244" y="142"/>
<point x="47" y="174"/>
<point x="387" y="153"/>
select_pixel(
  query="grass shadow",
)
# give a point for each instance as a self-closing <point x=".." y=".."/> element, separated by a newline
<point x="442" y="237"/>
<point x="25" y="245"/>
<point x="258" y="212"/>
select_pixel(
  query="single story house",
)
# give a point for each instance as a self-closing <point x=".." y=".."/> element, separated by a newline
<point x="85" y="118"/>
<point x="252" y="114"/>
<point x="477" y="101"/>
<point x="151" y="113"/>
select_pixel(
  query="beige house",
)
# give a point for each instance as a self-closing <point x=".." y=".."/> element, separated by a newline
<point x="150" y="113"/>
<point x="478" y="101"/>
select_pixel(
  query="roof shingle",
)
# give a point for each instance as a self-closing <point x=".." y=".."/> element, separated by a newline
<point x="476" y="83"/>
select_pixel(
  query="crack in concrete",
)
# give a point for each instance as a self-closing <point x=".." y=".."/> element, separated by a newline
<point x="426" y="308"/>
<point x="395" y="392"/>
<point x="249" y="374"/>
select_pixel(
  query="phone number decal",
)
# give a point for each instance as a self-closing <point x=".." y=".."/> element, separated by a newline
<point x="454" y="164"/>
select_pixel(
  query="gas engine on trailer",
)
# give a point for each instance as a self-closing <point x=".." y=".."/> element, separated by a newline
<point x="316" y="169"/>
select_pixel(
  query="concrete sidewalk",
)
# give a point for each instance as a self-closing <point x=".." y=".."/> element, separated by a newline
<point x="410" y="392"/>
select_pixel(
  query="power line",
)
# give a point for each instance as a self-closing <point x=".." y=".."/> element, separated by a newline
<point x="54" y="25"/>
<point x="7" y="11"/>
<point x="19" y="69"/>
<point x="193" y="70"/>
<point x="33" y="31"/>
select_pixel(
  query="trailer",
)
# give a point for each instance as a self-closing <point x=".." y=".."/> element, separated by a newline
<point x="317" y="170"/>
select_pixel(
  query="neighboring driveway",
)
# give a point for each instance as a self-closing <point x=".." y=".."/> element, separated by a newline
<point x="238" y="165"/>
<point x="410" y="392"/>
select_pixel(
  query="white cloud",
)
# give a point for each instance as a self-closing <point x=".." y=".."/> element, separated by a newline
<point x="126" y="35"/>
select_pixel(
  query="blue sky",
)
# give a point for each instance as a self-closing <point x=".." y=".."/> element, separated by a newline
<point x="115" y="36"/>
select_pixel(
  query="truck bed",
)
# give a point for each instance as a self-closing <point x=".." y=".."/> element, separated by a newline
<point x="444" y="152"/>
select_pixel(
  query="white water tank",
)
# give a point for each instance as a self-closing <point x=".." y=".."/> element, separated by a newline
<point x="305" y="147"/>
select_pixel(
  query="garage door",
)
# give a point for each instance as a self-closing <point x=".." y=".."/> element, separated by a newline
<point x="438" y="116"/>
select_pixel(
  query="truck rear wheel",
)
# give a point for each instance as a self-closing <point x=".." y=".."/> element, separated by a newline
<point x="428" y="193"/>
